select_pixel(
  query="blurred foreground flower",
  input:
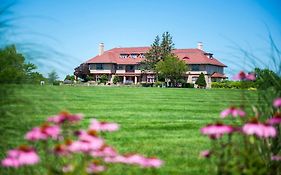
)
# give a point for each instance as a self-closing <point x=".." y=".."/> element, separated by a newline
<point x="88" y="144"/>
<point x="233" y="111"/>
<point x="23" y="155"/>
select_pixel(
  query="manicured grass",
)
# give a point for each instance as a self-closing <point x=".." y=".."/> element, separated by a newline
<point x="158" y="122"/>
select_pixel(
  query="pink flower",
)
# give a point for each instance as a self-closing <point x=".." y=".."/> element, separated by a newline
<point x="65" y="117"/>
<point x="135" y="159"/>
<point x="21" y="156"/>
<point x="61" y="149"/>
<point x="87" y="142"/>
<point x="243" y="76"/>
<point x="43" y="132"/>
<point x="216" y="130"/>
<point x="103" y="126"/>
<point x="95" y="168"/>
<point x="205" y="153"/>
<point x="277" y="102"/>
<point x="232" y="111"/>
<point x="259" y="129"/>
<point x="276" y="158"/>
<point x="276" y="119"/>
<point x="104" y="151"/>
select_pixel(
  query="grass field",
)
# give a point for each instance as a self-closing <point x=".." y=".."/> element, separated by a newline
<point x="158" y="122"/>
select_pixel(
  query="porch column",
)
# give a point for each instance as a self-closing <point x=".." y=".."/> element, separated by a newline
<point x="136" y="79"/>
<point x="124" y="79"/>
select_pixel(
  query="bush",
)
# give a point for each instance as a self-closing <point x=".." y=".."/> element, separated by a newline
<point x="187" y="85"/>
<point x="116" y="80"/>
<point x="103" y="79"/>
<point x="56" y="83"/>
<point x="147" y="84"/>
<point x="158" y="84"/>
<point x="233" y="85"/>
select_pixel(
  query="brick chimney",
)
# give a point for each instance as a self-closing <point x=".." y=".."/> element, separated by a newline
<point x="200" y="45"/>
<point x="101" y="48"/>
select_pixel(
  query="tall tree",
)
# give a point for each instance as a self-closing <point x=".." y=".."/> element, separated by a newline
<point x="158" y="51"/>
<point x="171" y="68"/>
<point x="52" y="76"/>
<point x="167" y="45"/>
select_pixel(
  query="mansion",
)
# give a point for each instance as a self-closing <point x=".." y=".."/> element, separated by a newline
<point x="125" y="63"/>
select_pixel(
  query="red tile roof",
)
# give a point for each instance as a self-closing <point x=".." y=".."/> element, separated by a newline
<point x="190" y="56"/>
<point x="218" y="75"/>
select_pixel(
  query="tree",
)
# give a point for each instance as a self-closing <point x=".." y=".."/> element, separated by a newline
<point x="201" y="80"/>
<point x="266" y="78"/>
<point x="167" y="45"/>
<point x="158" y="51"/>
<point x="171" y="68"/>
<point x="82" y="71"/>
<point x="11" y="65"/>
<point x="116" y="79"/>
<point x="53" y="77"/>
<point x="69" y="77"/>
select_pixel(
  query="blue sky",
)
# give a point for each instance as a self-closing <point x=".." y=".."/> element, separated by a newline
<point x="72" y="29"/>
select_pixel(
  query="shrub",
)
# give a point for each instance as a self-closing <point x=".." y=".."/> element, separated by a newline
<point x="116" y="80"/>
<point x="56" y="83"/>
<point x="103" y="79"/>
<point x="147" y="84"/>
<point x="158" y="84"/>
<point x="201" y="81"/>
<point x="187" y="85"/>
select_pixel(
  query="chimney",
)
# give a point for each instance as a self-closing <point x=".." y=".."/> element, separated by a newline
<point x="200" y="45"/>
<point x="101" y="48"/>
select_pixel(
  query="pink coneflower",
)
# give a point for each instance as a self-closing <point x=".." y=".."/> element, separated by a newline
<point x="23" y="155"/>
<point x="233" y="111"/>
<point x="94" y="167"/>
<point x="135" y="159"/>
<point x="65" y="117"/>
<point x="103" y="126"/>
<point x="87" y="142"/>
<point x="104" y="151"/>
<point x="216" y="130"/>
<point x="243" y="76"/>
<point x="205" y="153"/>
<point x="276" y="119"/>
<point x="277" y="102"/>
<point x="259" y="129"/>
<point x="43" y="132"/>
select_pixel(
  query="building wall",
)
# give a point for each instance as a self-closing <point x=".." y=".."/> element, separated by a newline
<point x="212" y="68"/>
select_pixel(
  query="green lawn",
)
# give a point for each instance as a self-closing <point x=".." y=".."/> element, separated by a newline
<point x="162" y="122"/>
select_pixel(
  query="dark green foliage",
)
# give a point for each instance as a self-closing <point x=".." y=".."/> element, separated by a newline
<point x="103" y="79"/>
<point x="147" y="84"/>
<point x="13" y="68"/>
<point x="159" y="50"/>
<point x="82" y="71"/>
<point x="201" y="81"/>
<point x="266" y="78"/>
<point x="52" y="77"/>
<point x="171" y="68"/>
<point x="234" y="84"/>
<point x="69" y="77"/>
<point x="187" y="85"/>
<point x="116" y="80"/>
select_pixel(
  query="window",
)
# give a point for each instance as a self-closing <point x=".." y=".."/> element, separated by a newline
<point x="142" y="56"/>
<point x="134" y="55"/>
<point x="123" y="56"/>
<point x="99" y="66"/>
<point x="120" y="67"/>
<point x="195" y="67"/>
<point x="91" y="66"/>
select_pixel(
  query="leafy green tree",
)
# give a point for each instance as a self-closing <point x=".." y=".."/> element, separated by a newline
<point x="11" y="66"/>
<point x="201" y="80"/>
<point x="171" y="68"/>
<point x="53" y="77"/>
<point x="158" y="51"/>
<point x="266" y="78"/>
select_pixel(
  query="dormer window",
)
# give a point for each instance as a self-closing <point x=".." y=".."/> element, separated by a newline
<point x="209" y="55"/>
<point x="185" y="58"/>
<point x="134" y="55"/>
<point x="123" y="56"/>
<point x="142" y="55"/>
